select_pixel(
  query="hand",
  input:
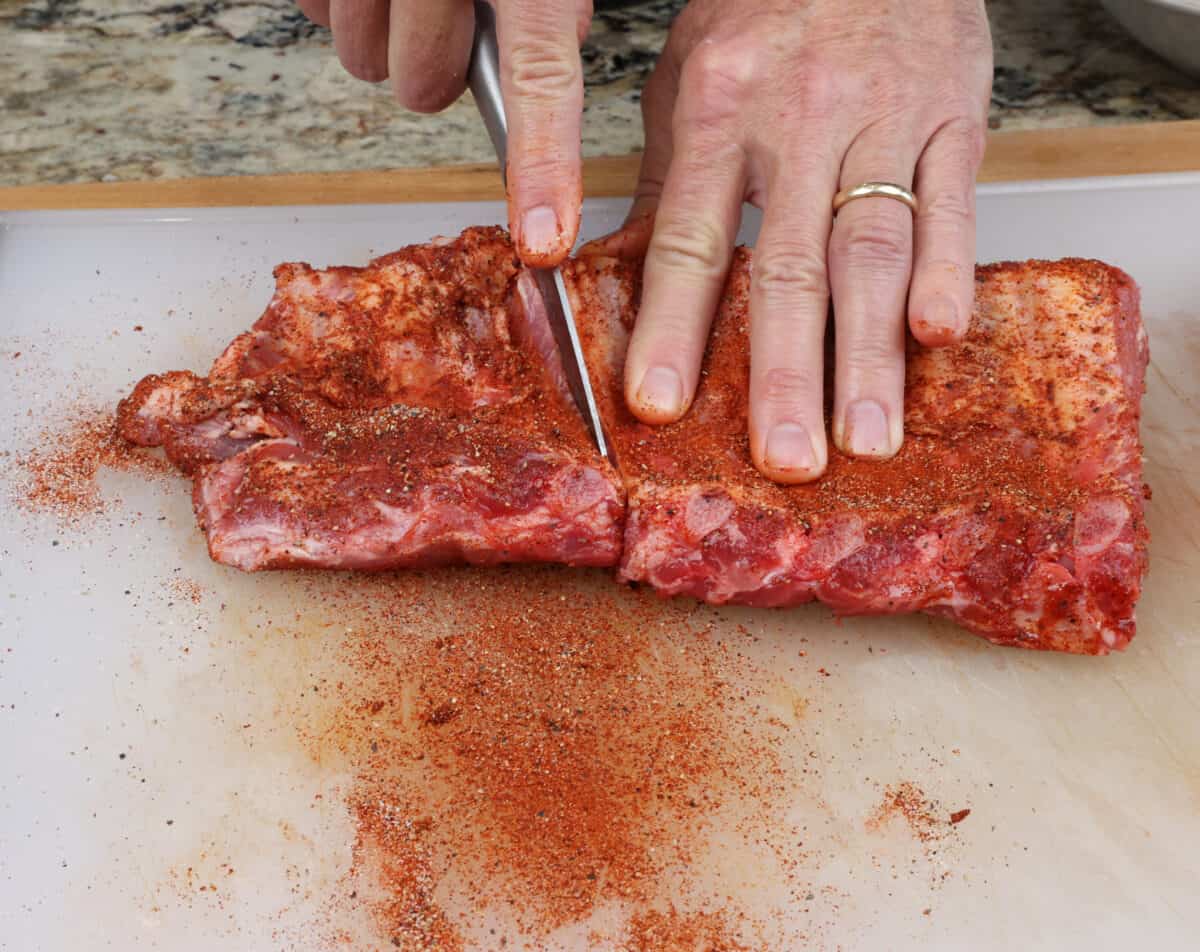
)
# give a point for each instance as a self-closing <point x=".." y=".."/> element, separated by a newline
<point x="781" y="104"/>
<point x="424" y="46"/>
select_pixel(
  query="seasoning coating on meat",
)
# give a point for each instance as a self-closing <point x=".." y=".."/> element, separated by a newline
<point x="1014" y="506"/>
<point x="395" y="415"/>
<point x="414" y="412"/>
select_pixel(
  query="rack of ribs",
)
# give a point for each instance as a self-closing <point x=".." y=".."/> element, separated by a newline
<point x="391" y="416"/>
<point x="1014" y="505"/>
<point x="412" y="413"/>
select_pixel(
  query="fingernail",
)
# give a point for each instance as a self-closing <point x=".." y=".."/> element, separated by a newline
<point x="866" y="429"/>
<point x="540" y="231"/>
<point x="941" y="315"/>
<point x="789" y="448"/>
<point x="661" y="391"/>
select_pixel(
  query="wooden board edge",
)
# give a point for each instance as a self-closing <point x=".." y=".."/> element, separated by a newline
<point x="1011" y="156"/>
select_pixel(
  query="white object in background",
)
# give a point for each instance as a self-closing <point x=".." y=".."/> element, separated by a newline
<point x="1171" y="28"/>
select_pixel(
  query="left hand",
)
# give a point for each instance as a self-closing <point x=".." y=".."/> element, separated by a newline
<point x="782" y="104"/>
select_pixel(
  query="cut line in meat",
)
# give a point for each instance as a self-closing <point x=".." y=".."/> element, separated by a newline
<point x="412" y="412"/>
<point x="1014" y="506"/>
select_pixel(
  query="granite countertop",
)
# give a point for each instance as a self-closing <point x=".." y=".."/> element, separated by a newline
<point x="104" y="90"/>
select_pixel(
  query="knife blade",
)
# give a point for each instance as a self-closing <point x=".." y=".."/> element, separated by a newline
<point x="483" y="79"/>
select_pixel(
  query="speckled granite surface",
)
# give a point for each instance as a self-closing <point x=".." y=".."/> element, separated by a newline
<point x="121" y="89"/>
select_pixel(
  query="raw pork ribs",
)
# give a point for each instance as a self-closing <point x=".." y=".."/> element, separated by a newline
<point x="395" y="415"/>
<point x="405" y="414"/>
<point x="1014" y="506"/>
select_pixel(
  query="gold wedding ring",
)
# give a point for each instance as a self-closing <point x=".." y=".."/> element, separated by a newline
<point x="875" y="189"/>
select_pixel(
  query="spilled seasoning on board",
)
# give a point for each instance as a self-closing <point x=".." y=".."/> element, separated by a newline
<point x="391" y="849"/>
<point x="670" y="931"/>
<point x="926" y="820"/>
<point x="546" y="750"/>
<point x="59" y="475"/>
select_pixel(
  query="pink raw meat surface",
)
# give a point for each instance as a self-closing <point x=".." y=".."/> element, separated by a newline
<point x="412" y="412"/>
<point x="1014" y="507"/>
<point x="395" y="415"/>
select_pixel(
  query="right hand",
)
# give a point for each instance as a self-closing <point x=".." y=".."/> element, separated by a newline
<point x="782" y="104"/>
<point x="424" y="48"/>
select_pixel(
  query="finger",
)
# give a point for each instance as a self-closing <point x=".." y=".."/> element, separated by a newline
<point x="315" y="10"/>
<point x="943" y="281"/>
<point x="542" y="80"/>
<point x="695" y="228"/>
<point x="658" y="106"/>
<point x="583" y="20"/>
<point x="429" y="50"/>
<point x="658" y="102"/>
<point x="629" y="242"/>
<point x="870" y="261"/>
<point x="360" y="37"/>
<point x="789" y="304"/>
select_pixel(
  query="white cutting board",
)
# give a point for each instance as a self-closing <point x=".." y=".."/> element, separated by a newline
<point x="1082" y="774"/>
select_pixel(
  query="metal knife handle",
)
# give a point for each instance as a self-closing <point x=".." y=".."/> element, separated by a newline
<point x="483" y="78"/>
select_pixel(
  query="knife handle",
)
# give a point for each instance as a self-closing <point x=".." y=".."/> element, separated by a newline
<point x="483" y="79"/>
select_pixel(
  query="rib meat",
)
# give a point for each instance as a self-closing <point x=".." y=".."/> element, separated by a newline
<point x="397" y="415"/>
<point x="1014" y="506"/>
<point x="413" y="412"/>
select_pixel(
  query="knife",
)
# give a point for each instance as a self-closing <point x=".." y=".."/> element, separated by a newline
<point x="483" y="78"/>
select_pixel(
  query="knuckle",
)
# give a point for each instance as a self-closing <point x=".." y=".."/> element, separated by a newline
<point x="693" y="247"/>
<point x="969" y="136"/>
<point x="538" y="170"/>
<point x="876" y="245"/>
<point x="790" y="273"/>
<point x="976" y="142"/>
<point x="894" y="94"/>
<point x="946" y="272"/>
<point x="667" y="336"/>
<point x="872" y="354"/>
<point x="543" y="69"/>
<point x="792" y="388"/>
<point x="649" y="190"/>
<point x="949" y="207"/>
<point x="815" y="89"/>
<point x="715" y="81"/>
